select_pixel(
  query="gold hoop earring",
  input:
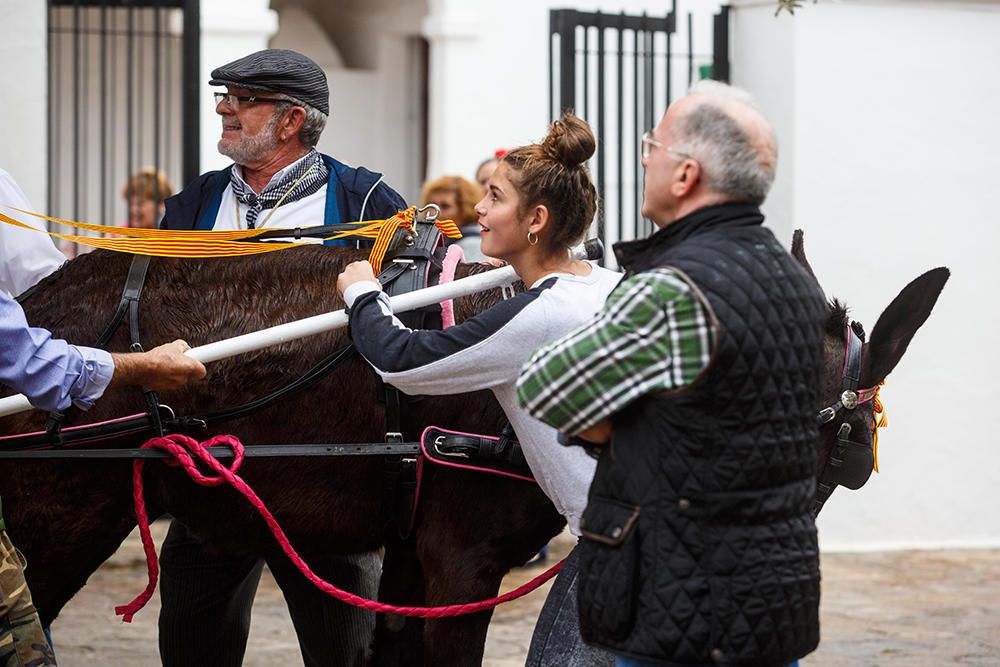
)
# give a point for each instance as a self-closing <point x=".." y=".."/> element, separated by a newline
<point x="530" y="242"/>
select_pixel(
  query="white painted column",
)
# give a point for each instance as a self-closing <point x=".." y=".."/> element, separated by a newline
<point x="230" y="29"/>
<point x="23" y="69"/>
<point x="452" y="28"/>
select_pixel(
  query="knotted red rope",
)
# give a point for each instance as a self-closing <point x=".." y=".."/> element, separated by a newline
<point x="182" y="447"/>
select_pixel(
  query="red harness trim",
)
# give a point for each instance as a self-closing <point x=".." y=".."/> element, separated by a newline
<point x="463" y="466"/>
<point x="436" y="461"/>
<point x="77" y="428"/>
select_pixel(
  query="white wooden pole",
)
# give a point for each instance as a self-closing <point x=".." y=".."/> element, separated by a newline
<point x="310" y="326"/>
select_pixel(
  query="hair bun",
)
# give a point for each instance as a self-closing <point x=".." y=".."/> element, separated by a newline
<point x="570" y="141"/>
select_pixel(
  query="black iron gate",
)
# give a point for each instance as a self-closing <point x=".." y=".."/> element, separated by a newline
<point x="123" y="95"/>
<point x="619" y="73"/>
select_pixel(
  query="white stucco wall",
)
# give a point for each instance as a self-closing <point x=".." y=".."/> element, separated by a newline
<point x="230" y="29"/>
<point x="24" y="76"/>
<point x="372" y="55"/>
<point x="490" y="71"/>
<point x="886" y="115"/>
<point x="487" y="88"/>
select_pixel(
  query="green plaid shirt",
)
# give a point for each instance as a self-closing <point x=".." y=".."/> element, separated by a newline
<point x="653" y="334"/>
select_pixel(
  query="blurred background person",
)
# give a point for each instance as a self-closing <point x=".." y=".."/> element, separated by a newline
<point x="457" y="197"/>
<point x="145" y="192"/>
<point x="487" y="167"/>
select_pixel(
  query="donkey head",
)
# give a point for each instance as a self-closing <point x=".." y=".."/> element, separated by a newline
<point x="847" y="435"/>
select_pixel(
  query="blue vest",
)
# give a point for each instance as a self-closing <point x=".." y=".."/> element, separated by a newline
<point x="348" y="188"/>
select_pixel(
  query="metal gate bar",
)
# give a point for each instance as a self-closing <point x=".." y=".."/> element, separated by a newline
<point x="630" y="95"/>
<point x="119" y="72"/>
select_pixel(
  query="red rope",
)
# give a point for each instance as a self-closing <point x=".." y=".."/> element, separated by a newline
<point x="181" y="447"/>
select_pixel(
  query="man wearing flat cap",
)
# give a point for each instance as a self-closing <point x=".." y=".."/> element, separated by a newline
<point x="273" y="111"/>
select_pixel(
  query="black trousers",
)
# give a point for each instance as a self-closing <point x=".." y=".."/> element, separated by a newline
<point x="206" y="601"/>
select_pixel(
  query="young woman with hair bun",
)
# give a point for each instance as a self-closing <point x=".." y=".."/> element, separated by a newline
<point x="539" y="204"/>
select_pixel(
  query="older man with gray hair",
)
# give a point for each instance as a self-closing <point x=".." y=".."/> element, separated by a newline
<point x="698" y="545"/>
<point x="273" y="110"/>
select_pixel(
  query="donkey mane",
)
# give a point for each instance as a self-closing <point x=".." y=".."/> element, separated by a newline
<point x="837" y="322"/>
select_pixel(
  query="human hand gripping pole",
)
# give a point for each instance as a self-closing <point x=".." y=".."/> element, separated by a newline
<point x="310" y="326"/>
<point x="163" y="368"/>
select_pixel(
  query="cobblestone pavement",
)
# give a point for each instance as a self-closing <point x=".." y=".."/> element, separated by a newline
<point x="907" y="608"/>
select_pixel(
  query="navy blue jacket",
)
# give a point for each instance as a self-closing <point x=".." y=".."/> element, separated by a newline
<point x="197" y="205"/>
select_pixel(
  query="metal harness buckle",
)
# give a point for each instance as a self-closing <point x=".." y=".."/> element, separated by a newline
<point x="438" y="441"/>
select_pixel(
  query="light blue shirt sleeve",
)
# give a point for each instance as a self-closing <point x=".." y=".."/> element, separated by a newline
<point x="52" y="373"/>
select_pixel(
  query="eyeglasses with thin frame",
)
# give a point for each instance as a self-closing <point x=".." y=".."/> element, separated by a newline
<point x="648" y="143"/>
<point x="233" y="101"/>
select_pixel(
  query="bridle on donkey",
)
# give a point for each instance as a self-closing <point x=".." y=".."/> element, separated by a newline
<point x="850" y="463"/>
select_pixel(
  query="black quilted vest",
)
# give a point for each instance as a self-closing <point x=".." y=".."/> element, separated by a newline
<point x="699" y="547"/>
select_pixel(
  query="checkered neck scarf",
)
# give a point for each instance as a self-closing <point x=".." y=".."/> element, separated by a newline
<point x="273" y="192"/>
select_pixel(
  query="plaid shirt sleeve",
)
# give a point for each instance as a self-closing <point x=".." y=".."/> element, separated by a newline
<point x="653" y="334"/>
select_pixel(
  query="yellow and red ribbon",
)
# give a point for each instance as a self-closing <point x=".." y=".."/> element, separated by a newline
<point x="207" y="244"/>
<point x="879" y="420"/>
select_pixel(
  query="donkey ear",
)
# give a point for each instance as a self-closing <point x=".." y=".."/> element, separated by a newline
<point x="897" y="324"/>
<point x="799" y="252"/>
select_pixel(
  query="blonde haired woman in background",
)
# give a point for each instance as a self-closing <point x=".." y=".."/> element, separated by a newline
<point x="457" y="198"/>
<point x="144" y="192"/>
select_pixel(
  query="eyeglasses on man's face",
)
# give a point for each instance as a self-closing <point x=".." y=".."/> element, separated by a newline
<point x="648" y="143"/>
<point x="233" y="100"/>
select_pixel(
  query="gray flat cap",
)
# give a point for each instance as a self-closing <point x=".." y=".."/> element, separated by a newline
<point x="279" y="71"/>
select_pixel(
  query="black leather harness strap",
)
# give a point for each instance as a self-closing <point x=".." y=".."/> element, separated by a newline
<point x="188" y="424"/>
<point x="503" y="454"/>
<point x="505" y="449"/>
<point x="160" y="418"/>
<point x="297" y="233"/>
<point x="129" y="302"/>
<point x="409" y="271"/>
<point x="850" y="378"/>
<point x="850" y="462"/>
<point x="313" y="375"/>
<point x="250" y="451"/>
<point x="130" y="296"/>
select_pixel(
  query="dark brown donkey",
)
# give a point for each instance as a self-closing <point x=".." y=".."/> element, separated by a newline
<point x="69" y="516"/>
